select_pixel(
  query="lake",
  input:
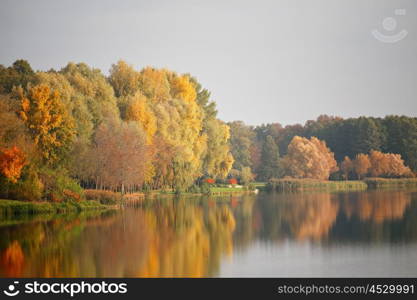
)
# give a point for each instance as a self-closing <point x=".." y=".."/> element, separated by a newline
<point x="310" y="234"/>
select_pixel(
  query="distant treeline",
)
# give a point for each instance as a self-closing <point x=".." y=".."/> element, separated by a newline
<point x="261" y="148"/>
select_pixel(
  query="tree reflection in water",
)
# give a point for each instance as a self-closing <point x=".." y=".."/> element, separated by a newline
<point x="190" y="237"/>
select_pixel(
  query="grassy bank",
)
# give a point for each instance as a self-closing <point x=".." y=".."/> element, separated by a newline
<point x="390" y="182"/>
<point x="230" y="190"/>
<point x="282" y="185"/>
<point x="13" y="207"/>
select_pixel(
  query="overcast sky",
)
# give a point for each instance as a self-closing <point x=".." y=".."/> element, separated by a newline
<point x="284" y="61"/>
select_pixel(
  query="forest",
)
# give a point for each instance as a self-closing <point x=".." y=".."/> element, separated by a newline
<point x="154" y="129"/>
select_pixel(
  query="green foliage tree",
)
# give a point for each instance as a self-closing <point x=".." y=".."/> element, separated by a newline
<point x="19" y="74"/>
<point x="241" y="140"/>
<point x="271" y="167"/>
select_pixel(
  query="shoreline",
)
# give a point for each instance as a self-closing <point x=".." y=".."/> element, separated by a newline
<point x="283" y="185"/>
<point x="9" y="208"/>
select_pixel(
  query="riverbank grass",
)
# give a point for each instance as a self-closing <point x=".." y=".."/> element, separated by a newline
<point x="390" y="182"/>
<point x="282" y="185"/>
<point x="14" y="207"/>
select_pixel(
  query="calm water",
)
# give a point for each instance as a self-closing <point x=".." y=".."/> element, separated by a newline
<point x="371" y="233"/>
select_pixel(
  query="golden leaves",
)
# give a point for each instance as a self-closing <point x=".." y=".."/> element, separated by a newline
<point x="309" y="159"/>
<point x="47" y="119"/>
<point x="154" y="84"/>
<point x="139" y="110"/>
<point x="182" y="88"/>
<point x="11" y="163"/>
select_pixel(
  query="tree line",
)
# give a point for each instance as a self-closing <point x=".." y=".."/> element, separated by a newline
<point x="148" y="129"/>
<point x="131" y="130"/>
<point x="328" y="147"/>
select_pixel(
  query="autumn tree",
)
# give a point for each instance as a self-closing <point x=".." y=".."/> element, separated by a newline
<point x="48" y="121"/>
<point x="119" y="155"/>
<point x="12" y="161"/>
<point x="388" y="165"/>
<point x="13" y="131"/>
<point x="124" y="79"/>
<point x="246" y="175"/>
<point x="76" y="103"/>
<point x="181" y="87"/>
<point x="217" y="160"/>
<point x="346" y="166"/>
<point x="361" y="165"/>
<point x="217" y="157"/>
<point x="139" y="110"/>
<point x="309" y="159"/>
<point x="154" y="84"/>
<point x="94" y="90"/>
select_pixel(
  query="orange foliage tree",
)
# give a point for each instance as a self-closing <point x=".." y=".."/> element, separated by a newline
<point x="11" y="163"/>
<point x="361" y="165"/>
<point x="346" y="167"/>
<point x="309" y="159"/>
<point x="388" y="165"/>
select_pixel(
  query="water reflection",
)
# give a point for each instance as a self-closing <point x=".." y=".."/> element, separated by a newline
<point x="194" y="237"/>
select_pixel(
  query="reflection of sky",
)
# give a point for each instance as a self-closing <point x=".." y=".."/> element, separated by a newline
<point x="291" y="259"/>
<point x="288" y="61"/>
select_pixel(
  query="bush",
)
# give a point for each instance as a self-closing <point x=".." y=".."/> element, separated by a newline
<point x="102" y="196"/>
<point x="232" y="181"/>
<point x="194" y="189"/>
<point x="28" y="188"/>
<point x="58" y="186"/>
<point x="205" y="189"/>
<point x="210" y="181"/>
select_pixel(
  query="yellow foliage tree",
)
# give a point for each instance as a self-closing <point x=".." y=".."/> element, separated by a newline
<point x="218" y="159"/>
<point x="48" y="121"/>
<point x="138" y="110"/>
<point x="182" y="88"/>
<point x="124" y="79"/>
<point x="154" y="84"/>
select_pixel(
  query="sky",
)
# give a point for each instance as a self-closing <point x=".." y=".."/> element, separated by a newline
<point x="264" y="61"/>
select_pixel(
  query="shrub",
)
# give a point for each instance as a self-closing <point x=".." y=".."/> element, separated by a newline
<point x="194" y="189"/>
<point x="210" y="181"/>
<point x="102" y="196"/>
<point x="232" y="181"/>
<point x="28" y="188"/>
<point x="205" y="189"/>
<point x="58" y="186"/>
